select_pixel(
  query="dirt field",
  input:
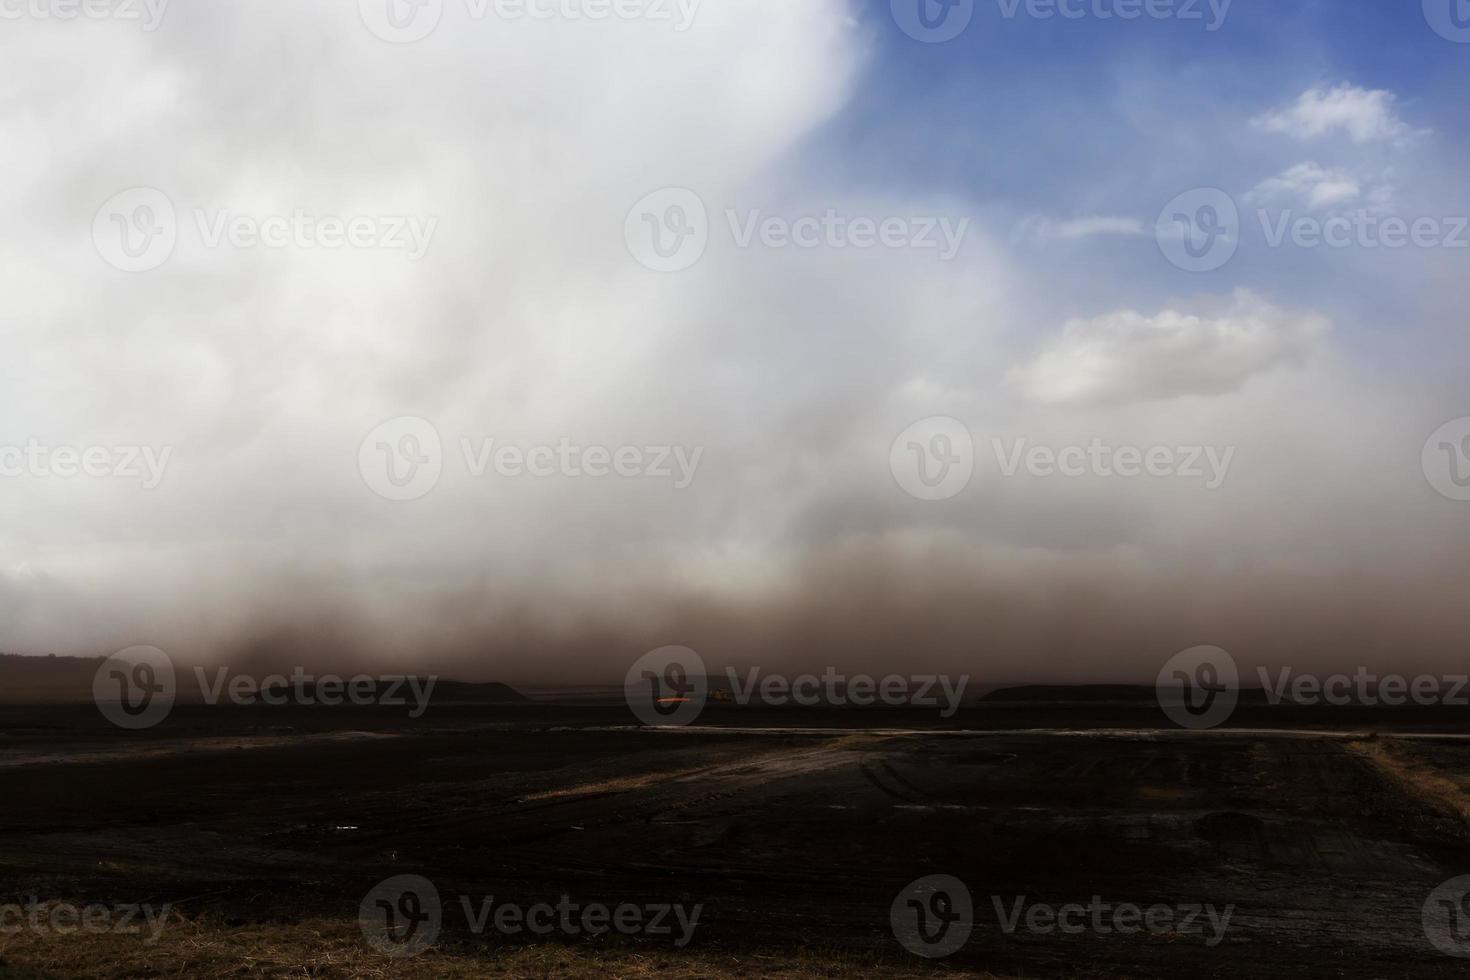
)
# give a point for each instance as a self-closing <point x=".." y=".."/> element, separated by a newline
<point x="264" y="832"/>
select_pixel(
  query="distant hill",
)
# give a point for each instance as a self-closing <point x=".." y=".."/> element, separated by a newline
<point x="1085" y="693"/>
<point x="46" y="680"/>
<point x="1080" y="692"/>
<point x="491" y="693"/>
<point x="68" y="680"/>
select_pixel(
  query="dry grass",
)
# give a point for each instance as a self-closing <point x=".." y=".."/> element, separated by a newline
<point x="1407" y="769"/>
<point x="790" y="759"/>
<point x="331" y="950"/>
<point x="620" y="784"/>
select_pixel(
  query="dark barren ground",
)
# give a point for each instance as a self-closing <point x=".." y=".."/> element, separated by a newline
<point x="1327" y="843"/>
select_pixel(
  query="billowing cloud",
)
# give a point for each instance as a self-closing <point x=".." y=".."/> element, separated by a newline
<point x="529" y="324"/>
<point x="1365" y="115"/>
<point x="1312" y="185"/>
<point x="1129" y="356"/>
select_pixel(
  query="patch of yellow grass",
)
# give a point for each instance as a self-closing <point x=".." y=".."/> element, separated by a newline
<point x="619" y="784"/>
<point x="821" y="756"/>
<point x="1399" y="763"/>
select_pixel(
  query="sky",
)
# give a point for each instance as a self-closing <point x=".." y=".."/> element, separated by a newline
<point x="515" y="339"/>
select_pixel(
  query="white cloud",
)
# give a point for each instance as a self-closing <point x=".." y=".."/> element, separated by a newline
<point x="1367" y="116"/>
<point x="1311" y="184"/>
<point x="1130" y="357"/>
<point x="1041" y="230"/>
